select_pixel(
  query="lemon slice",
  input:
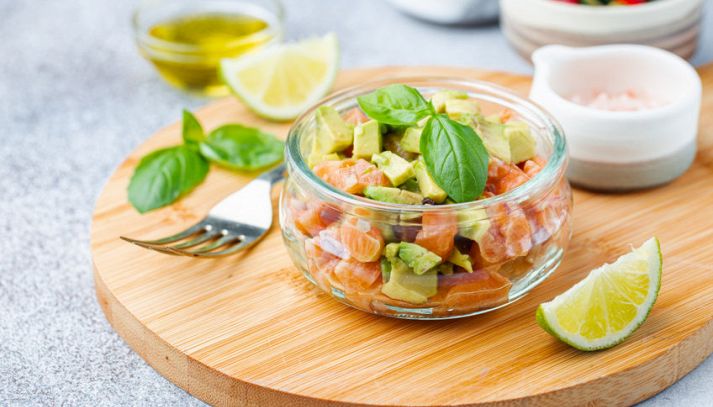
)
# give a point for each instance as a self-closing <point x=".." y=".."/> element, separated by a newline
<point x="609" y="304"/>
<point x="281" y="82"/>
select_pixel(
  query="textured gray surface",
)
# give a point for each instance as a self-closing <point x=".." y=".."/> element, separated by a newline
<point x="75" y="98"/>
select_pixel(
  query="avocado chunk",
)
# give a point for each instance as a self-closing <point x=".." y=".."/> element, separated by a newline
<point x="422" y="123"/>
<point x="418" y="258"/>
<point x="426" y="184"/>
<point x="392" y="195"/>
<point x="461" y="260"/>
<point x="466" y="112"/>
<point x="445" y="268"/>
<point x="438" y="100"/>
<point x="411" y="140"/>
<point x="385" y="265"/>
<point x="473" y="223"/>
<point x="333" y="133"/>
<point x="494" y="139"/>
<point x="522" y="144"/>
<point x="406" y="286"/>
<point x="396" y="169"/>
<point x="411" y="185"/>
<point x="392" y="250"/>
<point x="315" y="157"/>
<point x="367" y="139"/>
<point x="392" y="142"/>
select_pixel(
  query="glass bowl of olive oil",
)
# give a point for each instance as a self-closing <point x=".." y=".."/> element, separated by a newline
<point x="186" y="39"/>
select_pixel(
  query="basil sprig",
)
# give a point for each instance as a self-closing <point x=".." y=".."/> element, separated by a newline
<point x="241" y="148"/>
<point x="192" y="130"/>
<point x="166" y="174"/>
<point x="455" y="157"/>
<point x="454" y="153"/>
<point x="397" y="105"/>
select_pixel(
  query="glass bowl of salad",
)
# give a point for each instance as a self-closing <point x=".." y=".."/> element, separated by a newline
<point x="426" y="198"/>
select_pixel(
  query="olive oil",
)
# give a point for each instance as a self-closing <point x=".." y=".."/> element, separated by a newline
<point x="187" y="49"/>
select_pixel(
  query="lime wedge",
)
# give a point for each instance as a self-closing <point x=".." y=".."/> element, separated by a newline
<point x="609" y="304"/>
<point x="281" y="82"/>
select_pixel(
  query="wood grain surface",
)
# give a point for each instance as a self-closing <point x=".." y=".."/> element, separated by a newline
<point x="250" y="330"/>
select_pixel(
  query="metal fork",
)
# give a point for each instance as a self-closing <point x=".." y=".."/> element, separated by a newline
<point x="234" y="224"/>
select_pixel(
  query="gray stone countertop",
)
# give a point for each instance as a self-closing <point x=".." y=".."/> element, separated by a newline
<point x="75" y="99"/>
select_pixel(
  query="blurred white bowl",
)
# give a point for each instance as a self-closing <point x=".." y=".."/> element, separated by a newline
<point x="672" y="25"/>
<point x="450" y="11"/>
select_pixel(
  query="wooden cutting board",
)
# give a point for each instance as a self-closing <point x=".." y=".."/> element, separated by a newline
<point x="250" y="330"/>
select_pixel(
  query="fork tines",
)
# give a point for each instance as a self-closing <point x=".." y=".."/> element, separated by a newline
<point x="201" y="240"/>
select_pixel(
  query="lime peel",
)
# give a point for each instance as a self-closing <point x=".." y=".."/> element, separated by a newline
<point x="622" y="293"/>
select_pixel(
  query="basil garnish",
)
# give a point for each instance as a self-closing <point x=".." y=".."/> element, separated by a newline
<point x="397" y="105"/>
<point x="164" y="175"/>
<point x="241" y="148"/>
<point x="192" y="129"/>
<point x="169" y="173"/>
<point x="455" y="158"/>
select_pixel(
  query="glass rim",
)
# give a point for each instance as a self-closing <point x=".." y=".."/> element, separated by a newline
<point x="550" y="174"/>
<point x="145" y="39"/>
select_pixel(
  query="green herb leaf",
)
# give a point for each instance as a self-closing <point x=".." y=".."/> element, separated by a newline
<point x="397" y="105"/>
<point x="192" y="129"/>
<point x="164" y="175"/>
<point x="241" y="148"/>
<point x="455" y="157"/>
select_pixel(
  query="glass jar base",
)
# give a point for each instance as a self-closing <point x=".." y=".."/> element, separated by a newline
<point x="518" y="291"/>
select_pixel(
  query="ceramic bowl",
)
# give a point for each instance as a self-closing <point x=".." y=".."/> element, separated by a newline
<point x="621" y="150"/>
<point x="669" y="24"/>
<point x="450" y="11"/>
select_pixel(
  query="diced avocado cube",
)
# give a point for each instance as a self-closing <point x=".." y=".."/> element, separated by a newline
<point x="367" y="140"/>
<point x="418" y="258"/>
<point x="493" y="118"/>
<point x="333" y="133"/>
<point x="473" y="223"/>
<point x="422" y="123"/>
<point x="392" y="142"/>
<point x="463" y="111"/>
<point x="439" y="99"/>
<point x="494" y="139"/>
<point x="315" y="157"/>
<point x="392" y="250"/>
<point x="411" y="140"/>
<point x="426" y="184"/>
<point x="406" y="286"/>
<point x="445" y="268"/>
<point x="392" y="195"/>
<point x="462" y="260"/>
<point x="396" y="169"/>
<point x="522" y="144"/>
<point x="385" y="269"/>
<point x="411" y="185"/>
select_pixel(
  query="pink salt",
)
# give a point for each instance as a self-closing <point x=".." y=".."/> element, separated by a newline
<point x="628" y="101"/>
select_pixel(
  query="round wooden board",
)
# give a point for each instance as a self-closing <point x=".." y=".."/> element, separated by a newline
<point x="250" y="330"/>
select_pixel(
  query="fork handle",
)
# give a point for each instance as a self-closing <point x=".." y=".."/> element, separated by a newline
<point x="275" y="175"/>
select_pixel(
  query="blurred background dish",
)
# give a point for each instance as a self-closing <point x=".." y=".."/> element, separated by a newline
<point x="450" y="11"/>
<point x="669" y="24"/>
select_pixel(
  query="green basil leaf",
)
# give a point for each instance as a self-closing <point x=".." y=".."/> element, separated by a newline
<point x="455" y="157"/>
<point x="164" y="175"/>
<point x="192" y="129"/>
<point x="241" y="148"/>
<point x="398" y="105"/>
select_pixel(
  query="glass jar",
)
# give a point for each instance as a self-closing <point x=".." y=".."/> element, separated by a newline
<point x="186" y="39"/>
<point x="515" y="240"/>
